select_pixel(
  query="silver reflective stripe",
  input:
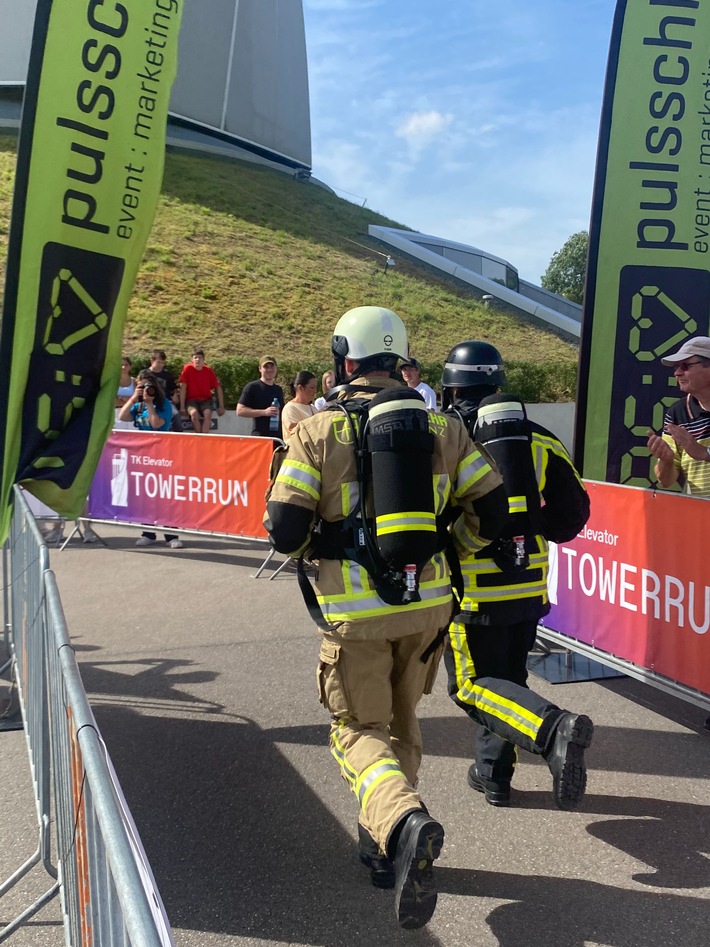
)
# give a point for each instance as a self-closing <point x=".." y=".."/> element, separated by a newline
<point x="518" y="717"/>
<point x="472" y="468"/>
<point x="340" y="607"/>
<point x="538" y="560"/>
<point x="299" y="475"/>
<point x="388" y="406"/>
<point x="524" y="590"/>
<point x="466" y="537"/>
<point x="501" y="412"/>
<point x="367" y="782"/>
<point x="517" y="504"/>
<point x="488" y="369"/>
<point x="394" y="522"/>
<point x="349" y="495"/>
<point x="442" y="488"/>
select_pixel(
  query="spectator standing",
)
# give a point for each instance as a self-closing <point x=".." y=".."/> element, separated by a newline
<point x="682" y="452"/>
<point x="327" y="382"/>
<point x="303" y="389"/>
<point x="197" y="383"/>
<point x="126" y="387"/>
<point x="257" y="399"/>
<point x="412" y="373"/>
<point x="127" y="383"/>
<point x="150" y="410"/>
<point x="164" y="376"/>
<point x="170" y="386"/>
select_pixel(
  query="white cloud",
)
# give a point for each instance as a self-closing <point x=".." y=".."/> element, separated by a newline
<point x="419" y="127"/>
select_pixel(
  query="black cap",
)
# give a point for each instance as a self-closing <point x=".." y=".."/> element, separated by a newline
<point x="410" y="361"/>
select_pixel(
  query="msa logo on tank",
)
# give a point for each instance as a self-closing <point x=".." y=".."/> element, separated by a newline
<point x="659" y="307"/>
<point x="77" y="294"/>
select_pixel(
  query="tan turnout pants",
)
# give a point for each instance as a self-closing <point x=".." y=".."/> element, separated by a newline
<point x="371" y="689"/>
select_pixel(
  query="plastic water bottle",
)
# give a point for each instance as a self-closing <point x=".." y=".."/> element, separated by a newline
<point x="274" y="419"/>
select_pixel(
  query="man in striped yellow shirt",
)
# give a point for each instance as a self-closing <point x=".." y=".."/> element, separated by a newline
<point x="682" y="452"/>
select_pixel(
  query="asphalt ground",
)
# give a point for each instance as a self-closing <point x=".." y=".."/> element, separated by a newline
<point x="202" y="680"/>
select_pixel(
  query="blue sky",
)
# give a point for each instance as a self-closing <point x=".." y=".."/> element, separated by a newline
<point x="475" y="120"/>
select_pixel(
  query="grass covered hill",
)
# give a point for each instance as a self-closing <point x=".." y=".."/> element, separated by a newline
<point x="245" y="260"/>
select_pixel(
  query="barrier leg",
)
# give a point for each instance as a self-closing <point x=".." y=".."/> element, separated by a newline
<point x="272" y="553"/>
<point x="84" y="528"/>
<point x="280" y="568"/>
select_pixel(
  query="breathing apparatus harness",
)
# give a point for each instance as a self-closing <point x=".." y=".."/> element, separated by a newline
<point x="393" y="454"/>
<point x="501" y="425"/>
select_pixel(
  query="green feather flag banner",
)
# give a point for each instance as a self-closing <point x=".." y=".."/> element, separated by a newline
<point x="648" y="277"/>
<point x="89" y="171"/>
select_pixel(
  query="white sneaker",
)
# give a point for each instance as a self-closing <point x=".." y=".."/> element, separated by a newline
<point x="144" y="541"/>
<point x="89" y="535"/>
<point x="175" y="544"/>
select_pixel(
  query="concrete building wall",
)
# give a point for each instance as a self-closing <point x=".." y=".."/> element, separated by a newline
<point x="242" y="69"/>
<point x="16" y="22"/>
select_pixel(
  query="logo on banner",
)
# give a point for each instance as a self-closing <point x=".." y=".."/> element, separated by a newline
<point x="119" y="478"/>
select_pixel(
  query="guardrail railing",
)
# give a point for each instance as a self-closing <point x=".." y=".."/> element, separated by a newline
<point x="108" y="893"/>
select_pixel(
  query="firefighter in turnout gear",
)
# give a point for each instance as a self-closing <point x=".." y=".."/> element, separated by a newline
<point x="382" y="642"/>
<point x="505" y="585"/>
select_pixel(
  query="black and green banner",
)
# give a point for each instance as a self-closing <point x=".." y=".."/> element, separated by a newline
<point x="89" y="171"/>
<point x="648" y="279"/>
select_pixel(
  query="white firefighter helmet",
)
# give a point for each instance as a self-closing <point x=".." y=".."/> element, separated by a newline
<point x="367" y="331"/>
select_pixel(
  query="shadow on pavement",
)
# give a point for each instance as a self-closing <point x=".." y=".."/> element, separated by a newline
<point x="238" y="843"/>
<point x="571" y="913"/>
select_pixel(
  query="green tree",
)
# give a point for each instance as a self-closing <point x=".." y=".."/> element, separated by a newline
<point x="566" y="270"/>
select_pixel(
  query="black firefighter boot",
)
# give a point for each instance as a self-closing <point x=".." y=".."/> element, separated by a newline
<point x="564" y="755"/>
<point x="381" y="868"/>
<point x="415" y="843"/>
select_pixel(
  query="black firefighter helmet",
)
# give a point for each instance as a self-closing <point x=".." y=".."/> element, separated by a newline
<point x="472" y="364"/>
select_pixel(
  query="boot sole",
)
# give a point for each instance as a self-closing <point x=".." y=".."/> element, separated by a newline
<point x="415" y="898"/>
<point x="570" y="783"/>
<point x="493" y="797"/>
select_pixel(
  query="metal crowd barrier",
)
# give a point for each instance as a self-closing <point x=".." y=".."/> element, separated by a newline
<point x="108" y="894"/>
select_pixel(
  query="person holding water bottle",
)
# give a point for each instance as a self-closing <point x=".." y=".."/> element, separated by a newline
<point x="263" y="400"/>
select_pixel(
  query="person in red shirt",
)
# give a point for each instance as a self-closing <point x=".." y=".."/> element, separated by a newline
<point x="197" y="382"/>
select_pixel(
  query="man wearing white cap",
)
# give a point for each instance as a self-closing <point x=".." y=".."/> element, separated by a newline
<point x="683" y="450"/>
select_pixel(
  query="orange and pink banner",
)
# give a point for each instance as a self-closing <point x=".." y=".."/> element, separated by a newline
<point x="635" y="582"/>
<point x="202" y="482"/>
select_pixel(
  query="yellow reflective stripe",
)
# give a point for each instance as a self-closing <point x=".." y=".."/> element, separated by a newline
<point x="517" y="504"/>
<point x="355" y="579"/>
<point x="463" y="661"/>
<point x="368" y="604"/>
<point x="300" y="477"/>
<point x="517" y="717"/>
<point x="503" y="592"/>
<point x="467" y="539"/>
<point x="338" y="752"/>
<point x="440" y="566"/>
<point x="349" y="496"/>
<point x="540" y="457"/>
<point x="442" y="490"/>
<point x="373" y="775"/>
<point x="405" y="522"/>
<point x="471" y="469"/>
<point x="501" y="409"/>
<point x="538" y="560"/>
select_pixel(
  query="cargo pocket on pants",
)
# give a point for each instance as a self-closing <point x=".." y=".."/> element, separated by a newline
<point x="434" y="662"/>
<point x="330" y="686"/>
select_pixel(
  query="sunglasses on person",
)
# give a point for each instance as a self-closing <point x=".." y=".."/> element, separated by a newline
<point x="684" y="366"/>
